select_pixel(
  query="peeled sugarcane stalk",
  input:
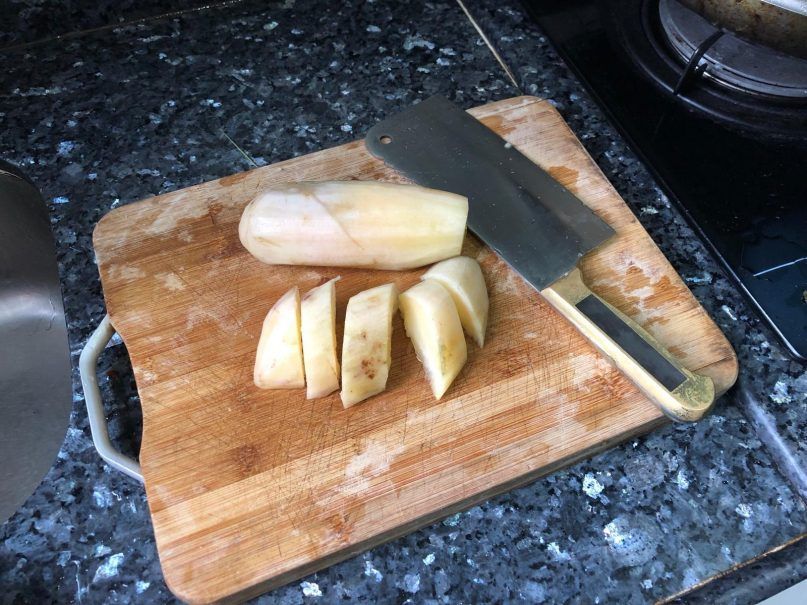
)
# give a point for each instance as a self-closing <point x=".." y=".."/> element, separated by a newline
<point x="279" y="360"/>
<point x="367" y="344"/>
<point x="354" y="224"/>
<point x="432" y="322"/>
<point x="318" y="311"/>
<point x="462" y="278"/>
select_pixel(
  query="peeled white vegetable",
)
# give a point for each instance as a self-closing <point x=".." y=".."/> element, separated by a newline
<point x="354" y="224"/>
<point x="367" y="344"/>
<point x="432" y="322"/>
<point x="462" y="278"/>
<point x="279" y="360"/>
<point x="318" y="311"/>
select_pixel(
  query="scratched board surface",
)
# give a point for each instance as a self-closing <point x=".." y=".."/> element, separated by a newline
<point x="249" y="489"/>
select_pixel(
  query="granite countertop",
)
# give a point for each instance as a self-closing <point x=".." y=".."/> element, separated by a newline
<point x="107" y="115"/>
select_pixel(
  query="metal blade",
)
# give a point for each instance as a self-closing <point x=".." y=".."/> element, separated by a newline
<point x="532" y="221"/>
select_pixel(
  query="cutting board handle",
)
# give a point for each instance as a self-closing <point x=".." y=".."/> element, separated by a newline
<point x="681" y="394"/>
<point x="88" y="362"/>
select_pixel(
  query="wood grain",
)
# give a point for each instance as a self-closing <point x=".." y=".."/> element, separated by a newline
<point x="250" y="489"/>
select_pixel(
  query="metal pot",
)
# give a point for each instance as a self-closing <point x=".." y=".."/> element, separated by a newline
<point x="35" y="399"/>
<point x="779" y="24"/>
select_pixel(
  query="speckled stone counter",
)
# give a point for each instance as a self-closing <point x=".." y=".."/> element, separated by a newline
<point x="109" y="117"/>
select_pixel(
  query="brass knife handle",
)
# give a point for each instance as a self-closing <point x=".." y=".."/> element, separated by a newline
<point x="681" y="394"/>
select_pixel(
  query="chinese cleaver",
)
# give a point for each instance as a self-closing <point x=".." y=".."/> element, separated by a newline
<point x="541" y="230"/>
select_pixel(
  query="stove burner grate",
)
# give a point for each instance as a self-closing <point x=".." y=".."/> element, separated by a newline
<point x="711" y="72"/>
<point x="729" y="60"/>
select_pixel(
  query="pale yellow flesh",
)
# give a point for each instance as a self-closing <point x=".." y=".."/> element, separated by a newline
<point x="432" y="322"/>
<point x="462" y="278"/>
<point x="279" y="360"/>
<point x="367" y="344"/>
<point x="354" y="224"/>
<point x="318" y="313"/>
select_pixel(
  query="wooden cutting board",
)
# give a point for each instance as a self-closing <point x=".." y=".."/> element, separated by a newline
<point x="251" y="489"/>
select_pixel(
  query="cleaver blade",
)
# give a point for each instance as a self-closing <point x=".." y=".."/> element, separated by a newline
<point x="541" y="230"/>
<point x="533" y="222"/>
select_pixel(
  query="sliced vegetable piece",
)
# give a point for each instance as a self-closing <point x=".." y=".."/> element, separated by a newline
<point x="279" y="360"/>
<point x="432" y="322"/>
<point x="354" y="224"/>
<point x="367" y="344"/>
<point x="318" y="311"/>
<point x="463" y="279"/>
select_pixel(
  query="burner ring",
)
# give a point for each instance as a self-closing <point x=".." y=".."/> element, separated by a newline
<point x="731" y="61"/>
<point x="635" y="31"/>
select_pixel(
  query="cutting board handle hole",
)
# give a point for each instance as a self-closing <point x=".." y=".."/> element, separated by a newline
<point x="385" y="139"/>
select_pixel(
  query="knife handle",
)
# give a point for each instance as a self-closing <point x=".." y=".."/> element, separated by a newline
<point x="681" y="394"/>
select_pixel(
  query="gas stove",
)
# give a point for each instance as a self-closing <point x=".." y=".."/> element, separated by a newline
<point x="722" y="124"/>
